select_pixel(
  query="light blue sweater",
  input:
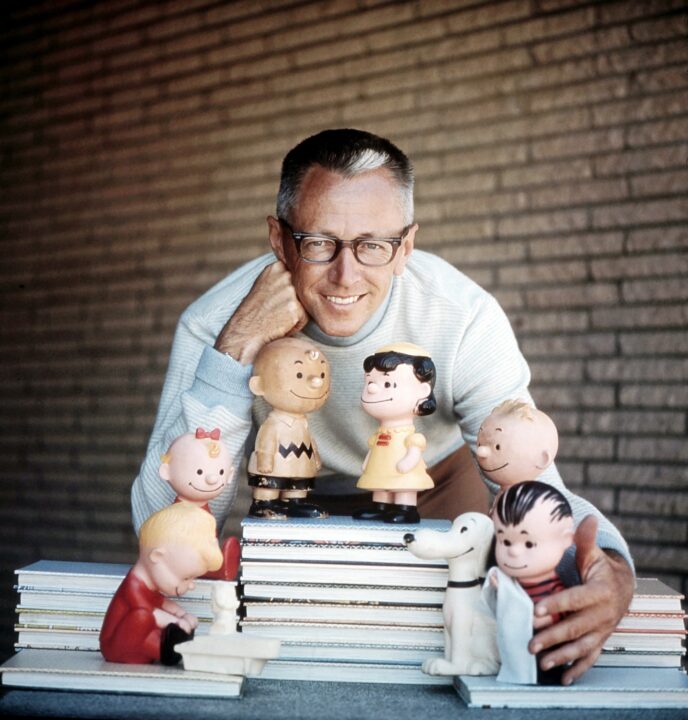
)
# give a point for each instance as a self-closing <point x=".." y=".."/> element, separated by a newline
<point x="431" y="304"/>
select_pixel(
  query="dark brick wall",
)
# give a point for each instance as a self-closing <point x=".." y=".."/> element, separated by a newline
<point x="140" y="147"/>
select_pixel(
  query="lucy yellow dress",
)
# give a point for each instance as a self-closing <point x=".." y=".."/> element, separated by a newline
<point x="387" y="447"/>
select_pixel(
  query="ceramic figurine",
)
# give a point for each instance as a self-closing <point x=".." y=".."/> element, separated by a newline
<point x="399" y="381"/>
<point x="516" y="442"/>
<point x="198" y="466"/>
<point x="293" y="377"/>
<point x="470" y="643"/>
<point x="176" y="545"/>
<point x="533" y="529"/>
<point x="225" y="605"/>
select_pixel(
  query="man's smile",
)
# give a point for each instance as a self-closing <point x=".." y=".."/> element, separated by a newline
<point x="339" y="300"/>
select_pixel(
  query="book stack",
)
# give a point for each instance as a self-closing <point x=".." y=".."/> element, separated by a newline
<point x="346" y="598"/>
<point x="59" y="615"/>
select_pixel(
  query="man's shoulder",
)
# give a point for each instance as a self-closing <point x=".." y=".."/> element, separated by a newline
<point x="430" y="273"/>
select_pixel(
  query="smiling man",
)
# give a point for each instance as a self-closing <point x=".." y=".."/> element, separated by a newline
<point x="343" y="272"/>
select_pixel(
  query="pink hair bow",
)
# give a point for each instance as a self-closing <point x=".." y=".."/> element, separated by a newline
<point x="202" y="434"/>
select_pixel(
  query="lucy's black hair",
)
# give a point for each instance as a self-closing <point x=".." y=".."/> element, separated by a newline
<point x="423" y="369"/>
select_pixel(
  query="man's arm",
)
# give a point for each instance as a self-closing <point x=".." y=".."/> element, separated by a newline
<point x="206" y="385"/>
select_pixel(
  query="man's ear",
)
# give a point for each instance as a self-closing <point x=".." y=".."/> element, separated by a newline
<point x="255" y="385"/>
<point x="277" y="236"/>
<point x="405" y="250"/>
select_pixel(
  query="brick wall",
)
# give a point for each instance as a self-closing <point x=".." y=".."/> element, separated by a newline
<point x="141" y="144"/>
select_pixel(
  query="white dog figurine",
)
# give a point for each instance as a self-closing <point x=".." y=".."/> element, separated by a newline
<point x="470" y="645"/>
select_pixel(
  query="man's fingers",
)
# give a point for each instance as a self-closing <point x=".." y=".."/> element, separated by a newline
<point x="579" y="667"/>
<point x="568" y="652"/>
<point x="570" y="600"/>
<point x="585" y="539"/>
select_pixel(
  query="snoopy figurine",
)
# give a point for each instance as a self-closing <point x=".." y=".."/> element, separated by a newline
<point x="470" y="643"/>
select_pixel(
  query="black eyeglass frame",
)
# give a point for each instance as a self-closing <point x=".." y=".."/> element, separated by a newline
<point x="299" y="235"/>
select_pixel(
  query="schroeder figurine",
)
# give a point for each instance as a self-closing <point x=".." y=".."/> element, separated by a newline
<point x="533" y="528"/>
<point x="293" y="376"/>
<point x="516" y="442"/>
<point x="399" y="381"/>
<point x="198" y="466"/>
<point x="176" y="545"/>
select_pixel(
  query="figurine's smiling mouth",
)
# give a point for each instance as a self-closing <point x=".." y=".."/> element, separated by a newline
<point x="308" y="397"/>
<point x="374" y="402"/>
<point x="515" y="567"/>
<point x="215" y="489"/>
<point x="501" y="467"/>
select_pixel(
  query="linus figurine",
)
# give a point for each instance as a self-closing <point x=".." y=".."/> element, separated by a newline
<point x="294" y="378"/>
<point x="516" y="442"/>
<point x="176" y="545"/>
<point x="399" y="381"/>
<point x="533" y="528"/>
<point x="198" y="466"/>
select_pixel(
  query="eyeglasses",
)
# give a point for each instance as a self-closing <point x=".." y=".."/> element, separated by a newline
<point x="373" y="251"/>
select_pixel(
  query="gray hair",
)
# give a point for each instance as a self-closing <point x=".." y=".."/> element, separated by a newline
<point x="347" y="152"/>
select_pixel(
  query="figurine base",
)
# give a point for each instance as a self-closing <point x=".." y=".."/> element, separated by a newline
<point x="232" y="654"/>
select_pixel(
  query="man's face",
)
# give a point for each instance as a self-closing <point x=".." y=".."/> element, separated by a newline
<point x="532" y="550"/>
<point x="342" y="295"/>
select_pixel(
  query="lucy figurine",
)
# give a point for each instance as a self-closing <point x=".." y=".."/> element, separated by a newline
<point x="399" y="381"/>
<point x="293" y="376"/>
<point x="533" y="528"/>
<point x="198" y="466"/>
<point x="516" y="442"/>
<point x="176" y="545"/>
<point x="470" y="644"/>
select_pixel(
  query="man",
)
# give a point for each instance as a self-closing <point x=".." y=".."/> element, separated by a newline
<point x="344" y="273"/>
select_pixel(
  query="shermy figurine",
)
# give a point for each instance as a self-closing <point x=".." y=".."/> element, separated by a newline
<point x="399" y="382"/>
<point x="470" y="644"/>
<point x="198" y="466"/>
<point x="533" y="529"/>
<point x="293" y="376"/>
<point x="516" y="442"/>
<point x="176" y="545"/>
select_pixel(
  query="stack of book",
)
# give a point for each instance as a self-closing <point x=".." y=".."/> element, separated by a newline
<point x="349" y="602"/>
<point x="59" y="616"/>
<point x="346" y="598"/>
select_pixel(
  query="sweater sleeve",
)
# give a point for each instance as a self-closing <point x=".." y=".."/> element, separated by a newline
<point x="489" y="368"/>
<point x="203" y="388"/>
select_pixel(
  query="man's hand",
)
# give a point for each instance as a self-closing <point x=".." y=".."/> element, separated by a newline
<point x="595" y="607"/>
<point x="271" y="310"/>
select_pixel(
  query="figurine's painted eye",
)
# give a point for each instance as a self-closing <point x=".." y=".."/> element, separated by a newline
<point x="299" y="375"/>
<point x="507" y="543"/>
<point x="199" y="471"/>
<point x="222" y="472"/>
<point x="388" y="384"/>
<point x="464" y="529"/>
<point x="395" y="384"/>
<point x="497" y="446"/>
<point x="322" y="375"/>
<point x="530" y="544"/>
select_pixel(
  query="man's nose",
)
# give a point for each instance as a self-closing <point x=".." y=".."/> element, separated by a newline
<point x="344" y="269"/>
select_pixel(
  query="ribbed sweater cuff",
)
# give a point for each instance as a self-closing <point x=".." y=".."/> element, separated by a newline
<point x="221" y="380"/>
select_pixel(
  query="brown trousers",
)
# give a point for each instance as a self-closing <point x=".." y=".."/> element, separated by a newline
<point x="458" y="489"/>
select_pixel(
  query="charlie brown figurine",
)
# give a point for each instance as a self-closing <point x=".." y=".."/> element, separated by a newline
<point x="399" y="381"/>
<point x="533" y="529"/>
<point x="293" y="377"/>
<point x="516" y="442"/>
<point x="198" y="466"/>
<point x="176" y="545"/>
